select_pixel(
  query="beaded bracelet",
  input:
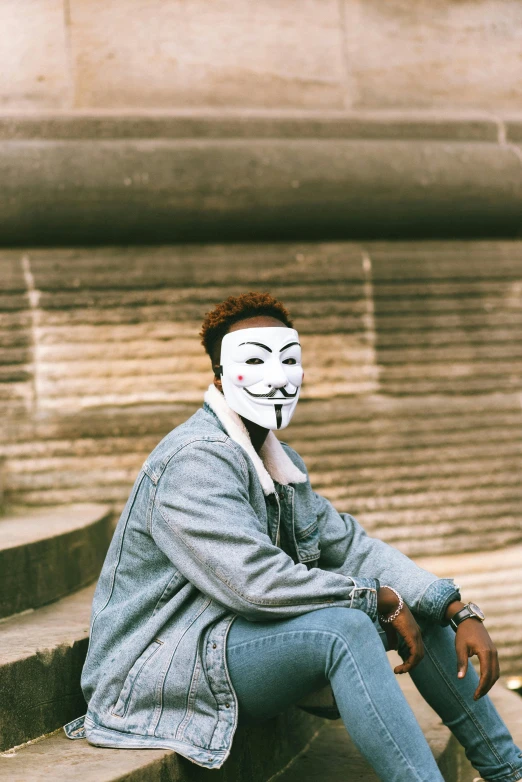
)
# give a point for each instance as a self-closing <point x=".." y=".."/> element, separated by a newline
<point x="397" y="610"/>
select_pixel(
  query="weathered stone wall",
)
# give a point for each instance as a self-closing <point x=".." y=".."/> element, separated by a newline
<point x="418" y="344"/>
<point x="316" y="54"/>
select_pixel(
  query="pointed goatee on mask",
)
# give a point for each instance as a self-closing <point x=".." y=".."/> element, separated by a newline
<point x="261" y="374"/>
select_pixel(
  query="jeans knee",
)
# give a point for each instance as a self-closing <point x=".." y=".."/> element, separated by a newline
<point x="347" y="629"/>
<point x="347" y="622"/>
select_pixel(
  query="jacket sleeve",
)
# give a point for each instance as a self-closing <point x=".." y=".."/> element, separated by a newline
<point x="204" y="522"/>
<point x="347" y="548"/>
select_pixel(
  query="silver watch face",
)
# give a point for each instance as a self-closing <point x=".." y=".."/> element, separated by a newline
<point x="477" y="611"/>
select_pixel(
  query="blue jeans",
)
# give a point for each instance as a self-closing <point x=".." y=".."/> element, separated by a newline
<point x="273" y="664"/>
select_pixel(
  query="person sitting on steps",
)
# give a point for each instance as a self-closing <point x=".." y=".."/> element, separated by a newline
<point x="231" y="590"/>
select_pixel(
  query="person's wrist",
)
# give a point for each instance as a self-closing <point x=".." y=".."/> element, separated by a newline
<point x="453" y="608"/>
<point x="387" y="601"/>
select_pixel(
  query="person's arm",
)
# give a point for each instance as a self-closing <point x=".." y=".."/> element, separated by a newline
<point x="347" y="548"/>
<point x="204" y="522"/>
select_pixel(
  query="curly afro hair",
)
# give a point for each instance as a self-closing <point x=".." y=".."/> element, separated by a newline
<point x="218" y="321"/>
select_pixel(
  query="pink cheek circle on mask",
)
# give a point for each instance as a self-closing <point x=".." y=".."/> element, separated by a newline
<point x="242" y="377"/>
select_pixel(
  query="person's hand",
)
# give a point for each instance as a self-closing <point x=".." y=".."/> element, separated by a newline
<point x="473" y="638"/>
<point x="404" y="625"/>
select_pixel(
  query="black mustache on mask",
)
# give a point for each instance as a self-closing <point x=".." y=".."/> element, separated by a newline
<point x="272" y="393"/>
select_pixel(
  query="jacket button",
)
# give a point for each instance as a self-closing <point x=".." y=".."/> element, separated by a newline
<point x="227" y="705"/>
<point x="214" y="646"/>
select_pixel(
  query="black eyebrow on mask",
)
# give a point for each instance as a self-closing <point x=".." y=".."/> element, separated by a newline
<point x="289" y="346"/>
<point x="259" y="344"/>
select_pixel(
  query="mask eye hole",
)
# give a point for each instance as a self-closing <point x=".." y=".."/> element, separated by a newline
<point x="254" y="361"/>
<point x="289" y="361"/>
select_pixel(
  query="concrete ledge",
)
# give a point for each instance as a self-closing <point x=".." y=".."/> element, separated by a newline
<point x="50" y="552"/>
<point x="204" y="176"/>
<point x="208" y="123"/>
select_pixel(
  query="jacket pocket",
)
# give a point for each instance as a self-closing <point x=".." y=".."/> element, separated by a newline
<point x="308" y="544"/>
<point x="122" y="704"/>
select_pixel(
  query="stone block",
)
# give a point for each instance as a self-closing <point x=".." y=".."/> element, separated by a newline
<point x="33" y="56"/>
<point x="50" y="552"/>
<point x="444" y="54"/>
<point x="167" y="54"/>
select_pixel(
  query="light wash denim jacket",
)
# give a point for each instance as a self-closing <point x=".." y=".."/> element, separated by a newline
<point x="211" y="531"/>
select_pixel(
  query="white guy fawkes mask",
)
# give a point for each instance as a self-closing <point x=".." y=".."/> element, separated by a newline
<point x="261" y="374"/>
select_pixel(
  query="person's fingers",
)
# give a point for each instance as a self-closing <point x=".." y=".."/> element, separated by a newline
<point x="415" y="645"/>
<point x="497" y="667"/>
<point x="391" y="636"/>
<point x="487" y="672"/>
<point x="461" y="648"/>
<point x="406" y="664"/>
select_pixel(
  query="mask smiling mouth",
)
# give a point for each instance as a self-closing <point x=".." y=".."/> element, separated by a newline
<point x="271" y="394"/>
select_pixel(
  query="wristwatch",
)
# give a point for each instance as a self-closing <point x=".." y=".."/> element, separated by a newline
<point x="470" y="611"/>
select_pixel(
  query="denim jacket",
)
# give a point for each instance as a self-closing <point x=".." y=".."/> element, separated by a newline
<point x="212" y="530"/>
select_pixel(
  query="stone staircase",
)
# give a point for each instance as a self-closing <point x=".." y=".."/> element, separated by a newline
<point x="47" y="556"/>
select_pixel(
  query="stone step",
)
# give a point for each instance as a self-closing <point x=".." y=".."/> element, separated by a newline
<point x="56" y="757"/>
<point x="46" y="553"/>
<point x="41" y="657"/>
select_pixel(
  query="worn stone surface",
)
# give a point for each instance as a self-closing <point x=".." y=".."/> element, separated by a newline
<point x="320" y="54"/>
<point x="417" y="342"/>
<point x="513" y="128"/>
<point x="49" y="552"/>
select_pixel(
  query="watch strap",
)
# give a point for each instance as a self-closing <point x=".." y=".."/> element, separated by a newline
<point x="460" y="616"/>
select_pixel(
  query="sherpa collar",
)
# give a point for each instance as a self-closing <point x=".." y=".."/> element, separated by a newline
<point x="274" y="464"/>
